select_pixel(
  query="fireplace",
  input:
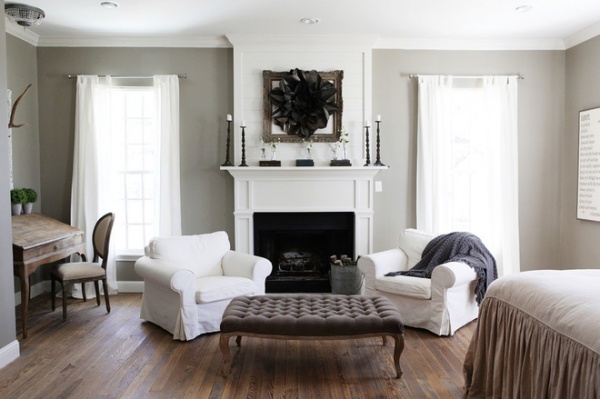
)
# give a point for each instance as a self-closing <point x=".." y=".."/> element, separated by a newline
<point x="299" y="245"/>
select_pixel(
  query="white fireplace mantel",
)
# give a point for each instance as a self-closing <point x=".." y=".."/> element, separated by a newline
<point x="303" y="189"/>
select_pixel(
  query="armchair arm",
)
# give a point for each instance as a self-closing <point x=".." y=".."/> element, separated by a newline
<point x="165" y="275"/>
<point x="452" y="274"/>
<point x="392" y="260"/>
<point x="240" y="264"/>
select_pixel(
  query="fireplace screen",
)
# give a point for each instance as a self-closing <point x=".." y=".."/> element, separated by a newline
<point x="299" y="246"/>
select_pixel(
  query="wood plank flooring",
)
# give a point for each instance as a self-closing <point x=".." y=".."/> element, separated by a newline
<point x="117" y="355"/>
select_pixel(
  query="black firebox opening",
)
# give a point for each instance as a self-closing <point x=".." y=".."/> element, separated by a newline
<point x="299" y="246"/>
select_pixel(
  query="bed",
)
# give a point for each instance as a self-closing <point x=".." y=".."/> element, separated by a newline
<point x="538" y="336"/>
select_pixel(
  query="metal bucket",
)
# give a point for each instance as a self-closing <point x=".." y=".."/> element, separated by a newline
<point x="346" y="280"/>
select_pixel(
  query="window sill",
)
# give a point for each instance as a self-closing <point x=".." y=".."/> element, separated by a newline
<point x="128" y="256"/>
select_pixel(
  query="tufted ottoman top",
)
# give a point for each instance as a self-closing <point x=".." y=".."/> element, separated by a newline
<point x="311" y="315"/>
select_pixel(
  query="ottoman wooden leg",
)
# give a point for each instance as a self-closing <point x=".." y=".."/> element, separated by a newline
<point x="224" y="345"/>
<point x="398" y="348"/>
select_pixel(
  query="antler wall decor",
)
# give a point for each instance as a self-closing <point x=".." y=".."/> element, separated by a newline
<point x="11" y="122"/>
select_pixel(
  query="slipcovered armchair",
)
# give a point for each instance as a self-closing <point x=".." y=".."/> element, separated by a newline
<point x="441" y="304"/>
<point x="190" y="280"/>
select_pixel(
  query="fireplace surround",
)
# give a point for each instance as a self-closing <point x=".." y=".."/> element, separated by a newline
<point x="304" y="191"/>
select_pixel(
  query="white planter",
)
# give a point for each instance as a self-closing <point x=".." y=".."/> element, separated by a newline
<point x="27" y="207"/>
<point x="17" y="209"/>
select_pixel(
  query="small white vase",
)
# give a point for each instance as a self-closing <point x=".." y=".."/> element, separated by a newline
<point x="27" y="207"/>
<point x="17" y="209"/>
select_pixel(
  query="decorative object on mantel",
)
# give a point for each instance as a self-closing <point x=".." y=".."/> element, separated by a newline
<point x="243" y="126"/>
<point x="343" y="140"/>
<point x="308" y="161"/>
<point x="24" y="14"/>
<point x="298" y="105"/>
<point x="30" y="197"/>
<point x="17" y="199"/>
<point x="368" y="151"/>
<point x="227" y="161"/>
<point x="272" y="162"/>
<point x="378" y="160"/>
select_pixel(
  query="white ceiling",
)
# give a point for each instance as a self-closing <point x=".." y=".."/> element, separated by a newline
<point x="397" y="23"/>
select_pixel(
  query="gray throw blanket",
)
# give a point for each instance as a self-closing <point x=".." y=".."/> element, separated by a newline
<point x="457" y="247"/>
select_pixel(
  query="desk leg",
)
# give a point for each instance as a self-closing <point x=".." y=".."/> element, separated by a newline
<point x="24" y="299"/>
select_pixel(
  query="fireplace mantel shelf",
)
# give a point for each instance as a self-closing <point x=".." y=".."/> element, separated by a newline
<point x="298" y="171"/>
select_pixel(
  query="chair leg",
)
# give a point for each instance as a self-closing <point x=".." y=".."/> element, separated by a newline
<point x="96" y="286"/>
<point x="53" y="291"/>
<point x="64" y="301"/>
<point x="83" y="292"/>
<point x="105" y="286"/>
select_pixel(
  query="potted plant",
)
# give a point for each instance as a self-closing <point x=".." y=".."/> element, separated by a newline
<point x="17" y="199"/>
<point x="30" y="197"/>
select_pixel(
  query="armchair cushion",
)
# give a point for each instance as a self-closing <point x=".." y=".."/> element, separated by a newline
<point x="201" y="254"/>
<point x="217" y="288"/>
<point x="413" y="242"/>
<point x="414" y="287"/>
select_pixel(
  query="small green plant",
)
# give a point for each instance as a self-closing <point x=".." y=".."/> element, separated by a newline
<point x="17" y="196"/>
<point x="30" y="194"/>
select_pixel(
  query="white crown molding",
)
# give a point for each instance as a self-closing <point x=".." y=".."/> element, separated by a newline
<point x="99" y="41"/>
<point x="583" y="35"/>
<point x="21" y="33"/>
<point x="312" y="43"/>
<point x="467" y="44"/>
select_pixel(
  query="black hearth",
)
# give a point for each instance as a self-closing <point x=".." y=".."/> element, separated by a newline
<point x="299" y="245"/>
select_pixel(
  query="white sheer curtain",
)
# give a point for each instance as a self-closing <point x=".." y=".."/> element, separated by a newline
<point x="91" y="195"/>
<point x="467" y="168"/>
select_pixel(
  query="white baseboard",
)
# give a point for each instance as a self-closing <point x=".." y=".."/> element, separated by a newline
<point x="9" y="353"/>
<point x="130" y="287"/>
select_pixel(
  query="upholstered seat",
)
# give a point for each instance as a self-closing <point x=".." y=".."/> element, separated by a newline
<point x="441" y="304"/>
<point x="190" y="280"/>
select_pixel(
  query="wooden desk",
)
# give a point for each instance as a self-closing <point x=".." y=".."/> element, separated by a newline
<point x="39" y="239"/>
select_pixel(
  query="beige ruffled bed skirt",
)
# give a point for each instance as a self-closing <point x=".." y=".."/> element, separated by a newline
<point x="513" y="355"/>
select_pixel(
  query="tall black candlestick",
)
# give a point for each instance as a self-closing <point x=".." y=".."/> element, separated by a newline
<point x="227" y="161"/>
<point x="243" y="146"/>
<point x="367" y="142"/>
<point x="378" y="161"/>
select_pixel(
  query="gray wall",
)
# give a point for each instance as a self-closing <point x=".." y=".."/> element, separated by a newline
<point x="540" y="126"/>
<point x="579" y="238"/>
<point x="7" y="299"/>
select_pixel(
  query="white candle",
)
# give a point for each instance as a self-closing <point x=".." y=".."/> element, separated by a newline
<point x="243" y="124"/>
<point x="229" y="118"/>
<point x="378" y="118"/>
<point x="367" y="124"/>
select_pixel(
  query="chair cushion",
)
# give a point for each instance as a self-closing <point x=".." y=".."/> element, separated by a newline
<point x="216" y="288"/>
<point x="201" y="254"/>
<point x="79" y="270"/>
<point x="413" y="242"/>
<point x="414" y="287"/>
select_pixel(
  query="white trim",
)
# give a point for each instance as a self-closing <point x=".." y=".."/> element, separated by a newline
<point x="300" y="43"/>
<point x="22" y="33"/>
<point x="37" y="289"/>
<point x="583" y="35"/>
<point x="9" y="353"/>
<point x="170" y="42"/>
<point x="130" y="287"/>
<point x="467" y="44"/>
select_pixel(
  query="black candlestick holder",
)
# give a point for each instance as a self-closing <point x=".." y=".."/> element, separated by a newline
<point x="378" y="160"/>
<point x="368" y="163"/>
<point x="243" y="146"/>
<point x="227" y="161"/>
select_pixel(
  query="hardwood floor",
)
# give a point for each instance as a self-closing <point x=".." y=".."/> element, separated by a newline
<point x="117" y="355"/>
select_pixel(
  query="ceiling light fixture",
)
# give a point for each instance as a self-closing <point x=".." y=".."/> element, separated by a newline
<point x="23" y="14"/>
<point x="309" y="21"/>
<point x="524" y="8"/>
<point x="109" y="4"/>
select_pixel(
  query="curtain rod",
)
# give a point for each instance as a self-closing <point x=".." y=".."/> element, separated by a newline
<point x="518" y="75"/>
<point x="179" y="75"/>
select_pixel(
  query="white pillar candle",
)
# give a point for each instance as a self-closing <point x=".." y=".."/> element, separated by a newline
<point x="229" y="118"/>
<point x="378" y="118"/>
<point x="243" y="124"/>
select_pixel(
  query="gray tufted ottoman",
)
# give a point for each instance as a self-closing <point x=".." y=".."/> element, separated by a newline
<point x="311" y="316"/>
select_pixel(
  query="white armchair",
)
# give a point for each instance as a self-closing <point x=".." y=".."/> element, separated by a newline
<point x="190" y="280"/>
<point x="441" y="304"/>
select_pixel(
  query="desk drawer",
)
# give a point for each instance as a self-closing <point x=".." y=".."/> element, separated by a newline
<point x="51" y="247"/>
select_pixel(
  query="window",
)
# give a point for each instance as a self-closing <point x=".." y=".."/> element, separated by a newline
<point x="134" y="159"/>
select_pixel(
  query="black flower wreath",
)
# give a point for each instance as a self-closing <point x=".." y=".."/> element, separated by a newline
<point x="303" y="102"/>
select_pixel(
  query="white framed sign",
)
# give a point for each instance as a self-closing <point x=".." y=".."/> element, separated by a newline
<point x="588" y="174"/>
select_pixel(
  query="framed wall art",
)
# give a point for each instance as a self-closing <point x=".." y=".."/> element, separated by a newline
<point x="588" y="174"/>
<point x="302" y="105"/>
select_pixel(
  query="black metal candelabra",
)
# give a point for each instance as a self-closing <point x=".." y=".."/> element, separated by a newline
<point x="378" y="160"/>
<point x="227" y="161"/>
<point x="243" y="146"/>
<point x="367" y="144"/>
